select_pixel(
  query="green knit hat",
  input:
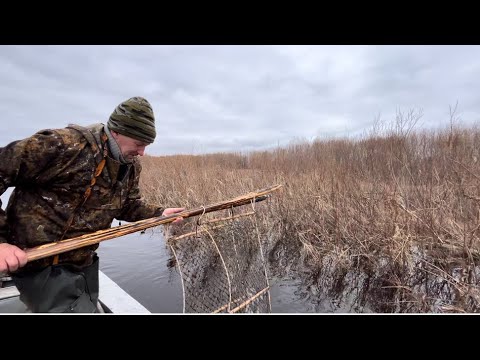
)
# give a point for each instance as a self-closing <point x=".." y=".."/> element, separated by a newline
<point x="134" y="118"/>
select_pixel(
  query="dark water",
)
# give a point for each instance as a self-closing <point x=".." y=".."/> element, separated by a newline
<point x="138" y="263"/>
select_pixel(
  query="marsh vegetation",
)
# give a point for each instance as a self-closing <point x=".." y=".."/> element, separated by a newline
<point x="387" y="222"/>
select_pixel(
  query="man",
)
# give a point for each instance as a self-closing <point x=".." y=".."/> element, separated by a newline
<point x="70" y="182"/>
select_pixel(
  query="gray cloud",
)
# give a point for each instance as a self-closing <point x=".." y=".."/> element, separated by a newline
<point x="236" y="98"/>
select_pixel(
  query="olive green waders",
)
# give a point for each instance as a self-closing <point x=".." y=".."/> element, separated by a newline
<point x="60" y="288"/>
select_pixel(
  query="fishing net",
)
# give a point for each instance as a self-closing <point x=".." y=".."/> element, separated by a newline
<point x="221" y="264"/>
<point x="220" y="260"/>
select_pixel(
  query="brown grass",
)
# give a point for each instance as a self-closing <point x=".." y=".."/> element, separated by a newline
<point x="388" y="222"/>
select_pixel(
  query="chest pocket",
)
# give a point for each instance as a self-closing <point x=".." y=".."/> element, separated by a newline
<point x="106" y="195"/>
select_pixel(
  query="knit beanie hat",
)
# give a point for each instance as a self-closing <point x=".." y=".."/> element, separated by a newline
<point x="134" y="118"/>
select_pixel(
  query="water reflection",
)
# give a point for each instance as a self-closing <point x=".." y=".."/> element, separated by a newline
<point x="141" y="265"/>
<point x="138" y="263"/>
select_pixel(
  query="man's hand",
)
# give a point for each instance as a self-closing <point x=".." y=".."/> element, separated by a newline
<point x="170" y="211"/>
<point x="11" y="257"/>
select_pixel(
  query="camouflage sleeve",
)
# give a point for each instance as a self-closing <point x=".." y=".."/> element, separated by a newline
<point x="22" y="163"/>
<point x="135" y="207"/>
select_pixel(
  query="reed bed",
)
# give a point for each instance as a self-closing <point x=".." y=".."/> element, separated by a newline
<point x="385" y="222"/>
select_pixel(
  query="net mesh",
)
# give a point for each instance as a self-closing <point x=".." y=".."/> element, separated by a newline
<point x="221" y="264"/>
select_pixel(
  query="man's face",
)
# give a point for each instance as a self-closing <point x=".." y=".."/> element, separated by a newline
<point x="129" y="147"/>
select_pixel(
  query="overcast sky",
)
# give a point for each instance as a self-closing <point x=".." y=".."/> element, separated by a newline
<point x="236" y="98"/>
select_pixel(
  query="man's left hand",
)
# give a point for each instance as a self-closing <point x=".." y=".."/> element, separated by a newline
<point x="170" y="211"/>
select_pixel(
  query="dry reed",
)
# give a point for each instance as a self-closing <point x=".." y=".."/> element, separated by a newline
<point x="387" y="222"/>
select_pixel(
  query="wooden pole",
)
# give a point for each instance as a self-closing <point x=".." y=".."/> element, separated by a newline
<point x="59" y="247"/>
<point x="239" y="307"/>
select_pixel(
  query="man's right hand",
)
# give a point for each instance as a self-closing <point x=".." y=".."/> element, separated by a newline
<point x="11" y="257"/>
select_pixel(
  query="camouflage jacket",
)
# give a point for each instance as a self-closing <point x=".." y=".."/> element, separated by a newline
<point x="51" y="171"/>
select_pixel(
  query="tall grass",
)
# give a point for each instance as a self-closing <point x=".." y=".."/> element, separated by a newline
<point x="387" y="222"/>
